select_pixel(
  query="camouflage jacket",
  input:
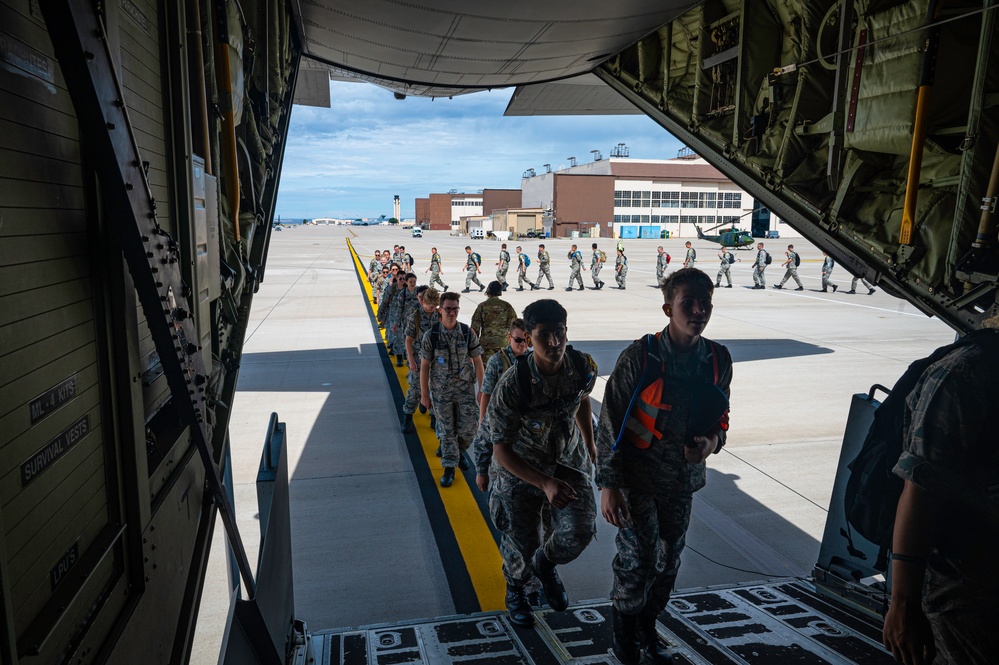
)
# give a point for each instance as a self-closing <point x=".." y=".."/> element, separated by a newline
<point x="691" y="257"/>
<point x="761" y="259"/>
<point x="504" y="259"/>
<point x="417" y="324"/>
<point x="451" y="359"/>
<point x="521" y="263"/>
<point x="827" y="265"/>
<point x="661" y="468"/>
<point x="950" y="451"/>
<point x="661" y="264"/>
<point x="500" y="362"/>
<point x="435" y="262"/>
<point x="595" y="259"/>
<point x="403" y="305"/>
<point x="575" y="260"/>
<point x="545" y="435"/>
<point x="543" y="258"/>
<point x="492" y="319"/>
<point x="725" y="256"/>
<point x="621" y="263"/>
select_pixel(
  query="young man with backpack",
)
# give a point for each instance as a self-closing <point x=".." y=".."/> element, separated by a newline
<point x="502" y="266"/>
<point x="597" y="262"/>
<point x="472" y="268"/>
<point x="523" y="261"/>
<point x="621" y="270"/>
<point x="665" y="411"/>
<point x="791" y="269"/>
<point x="482" y="447"/>
<point x="435" y="269"/>
<point x="450" y="368"/>
<point x="539" y="419"/>
<point x="762" y="261"/>
<point x="575" y="263"/>
<point x="827" y="267"/>
<point x="691" y="258"/>
<point x="727" y="259"/>
<point x="544" y="268"/>
<point x="662" y="263"/>
<point x="945" y="582"/>
<point x="418" y="323"/>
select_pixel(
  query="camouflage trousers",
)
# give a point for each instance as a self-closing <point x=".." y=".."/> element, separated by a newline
<point x="648" y="549"/>
<point x="545" y="271"/>
<point x="789" y="273"/>
<point x="727" y="272"/>
<point x="575" y="275"/>
<point x="501" y="275"/>
<point x="400" y="342"/>
<point x="413" y="392"/>
<point x="826" y="282"/>
<point x="961" y="615"/>
<point x="518" y="511"/>
<point x="435" y="278"/>
<point x="758" y="278"/>
<point x="457" y="418"/>
<point x="621" y="277"/>
<point x="523" y="279"/>
<point x="471" y="277"/>
<point x="595" y="274"/>
<point x="853" y="284"/>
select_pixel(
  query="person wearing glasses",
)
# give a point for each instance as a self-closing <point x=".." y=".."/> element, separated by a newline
<point x="450" y="369"/>
<point x="482" y="447"/>
<point x="540" y="423"/>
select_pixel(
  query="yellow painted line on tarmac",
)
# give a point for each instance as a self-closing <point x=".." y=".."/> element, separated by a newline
<point x="475" y="540"/>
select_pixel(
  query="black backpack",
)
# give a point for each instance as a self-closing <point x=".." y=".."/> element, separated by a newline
<point x="872" y="489"/>
<point x="797" y="260"/>
<point x="731" y="258"/>
<point x="435" y="333"/>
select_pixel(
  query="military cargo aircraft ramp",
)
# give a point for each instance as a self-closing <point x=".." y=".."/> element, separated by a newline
<point x="376" y="542"/>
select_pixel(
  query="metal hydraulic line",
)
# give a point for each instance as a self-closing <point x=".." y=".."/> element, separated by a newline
<point x="79" y="38"/>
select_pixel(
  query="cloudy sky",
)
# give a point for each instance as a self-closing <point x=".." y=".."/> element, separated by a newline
<point x="349" y="160"/>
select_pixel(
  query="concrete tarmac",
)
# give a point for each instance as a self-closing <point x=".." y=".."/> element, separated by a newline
<point x="364" y="550"/>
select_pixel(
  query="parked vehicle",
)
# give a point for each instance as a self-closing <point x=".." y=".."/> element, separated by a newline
<point x="417" y="232"/>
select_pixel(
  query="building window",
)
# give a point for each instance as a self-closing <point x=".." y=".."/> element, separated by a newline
<point x="689" y="219"/>
<point x="707" y="199"/>
<point x="618" y="219"/>
<point x="730" y="200"/>
<point x="671" y="199"/>
<point x="690" y="200"/>
<point x="728" y="219"/>
<point x="706" y="219"/>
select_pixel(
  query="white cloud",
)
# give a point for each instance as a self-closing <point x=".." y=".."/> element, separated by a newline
<point x="349" y="160"/>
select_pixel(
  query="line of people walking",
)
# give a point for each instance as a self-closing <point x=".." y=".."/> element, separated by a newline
<point x="535" y="449"/>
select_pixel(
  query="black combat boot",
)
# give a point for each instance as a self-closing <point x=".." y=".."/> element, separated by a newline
<point x="518" y="606"/>
<point x="398" y="361"/>
<point x="545" y="571"/>
<point x="656" y="652"/>
<point x="464" y="290"/>
<point x="481" y="288"/>
<point x="626" y="645"/>
<point x="407" y="423"/>
<point x="448" y="478"/>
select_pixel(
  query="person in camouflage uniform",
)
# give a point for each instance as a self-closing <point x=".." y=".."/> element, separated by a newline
<point x="827" y="267"/>
<point x="544" y="268"/>
<point x="401" y="311"/>
<point x="418" y="323"/>
<point x="858" y="278"/>
<point x="397" y="257"/>
<point x="435" y="269"/>
<point x="596" y="263"/>
<point x="450" y="368"/>
<point x="662" y="263"/>
<point x="405" y="260"/>
<point x="650" y="461"/>
<point x="542" y="454"/>
<point x="945" y="583"/>
<point x="472" y="271"/>
<point x="388" y="293"/>
<point x="790" y="269"/>
<point x="691" y="258"/>
<point x="725" y="270"/>
<point x="522" y="277"/>
<point x="502" y="266"/>
<point x="621" y="269"/>
<point x="759" y="281"/>
<point x="378" y="285"/>
<point x="491" y="321"/>
<point x="482" y="446"/>
<point x="575" y="263"/>
<point x="375" y="266"/>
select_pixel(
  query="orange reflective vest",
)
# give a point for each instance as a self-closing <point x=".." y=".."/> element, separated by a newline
<point x="639" y="427"/>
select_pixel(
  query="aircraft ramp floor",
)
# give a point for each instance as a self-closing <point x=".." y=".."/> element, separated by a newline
<point x="778" y="623"/>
